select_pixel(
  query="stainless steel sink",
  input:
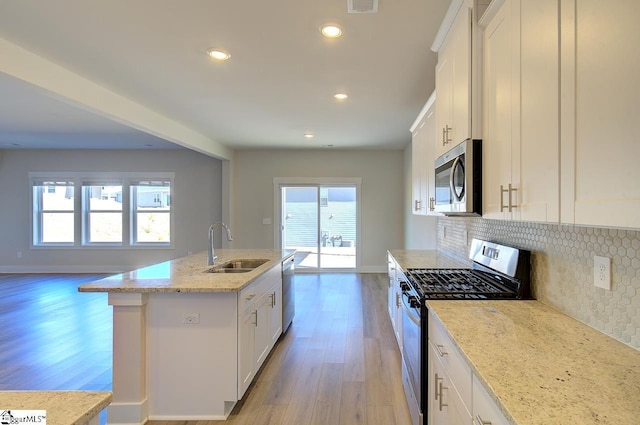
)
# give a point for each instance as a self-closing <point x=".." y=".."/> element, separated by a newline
<point x="239" y="265"/>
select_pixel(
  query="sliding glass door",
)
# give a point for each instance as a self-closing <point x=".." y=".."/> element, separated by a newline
<point x="320" y="222"/>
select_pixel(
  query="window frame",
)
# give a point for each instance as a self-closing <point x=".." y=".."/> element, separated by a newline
<point x="38" y="211"/>
<point x="82" y="209"/>
<point x="133" y="219"/>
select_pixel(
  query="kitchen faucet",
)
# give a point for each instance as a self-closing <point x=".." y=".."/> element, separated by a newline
<point x="212" y="254"/>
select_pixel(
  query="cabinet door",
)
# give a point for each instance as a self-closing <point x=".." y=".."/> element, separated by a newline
<point x="538" y="196"/>
<point x="391" y="269"/>
<point x="461" y="77"/>
<point x="275" y="314"/>
<point x="601" y="99"/>
<point x="498" y="135"/>
<point x="445" y="404"/>
<point x="262" y="338"/>
<point x="444" y="90"/>
<point x="246" y="353"/>
<point x="419" y="169"/>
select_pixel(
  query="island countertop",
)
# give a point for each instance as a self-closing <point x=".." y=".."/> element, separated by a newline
<point x="543" y="367"/>
<point x="189" y="274"/>
<point x="62" y="407"/>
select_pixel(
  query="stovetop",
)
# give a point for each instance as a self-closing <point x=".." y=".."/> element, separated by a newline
<point x="460" y="284"/>
<point x="497" y="272"/>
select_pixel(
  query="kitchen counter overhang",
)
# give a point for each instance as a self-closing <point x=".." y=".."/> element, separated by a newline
<point x="189" y="274"/>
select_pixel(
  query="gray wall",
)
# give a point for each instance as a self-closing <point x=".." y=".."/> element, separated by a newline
<point x="197" y="203"/>
<point x="382" y="194"/>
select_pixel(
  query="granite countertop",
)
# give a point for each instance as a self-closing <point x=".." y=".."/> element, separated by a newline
<point x="408" y="259"/>
<point x="543" y="367"/>
<point x="188" y="274"/>
<point x="62" y="407"/>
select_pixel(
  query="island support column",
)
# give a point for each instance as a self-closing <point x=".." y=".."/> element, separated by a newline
<point x="129" y="404"/>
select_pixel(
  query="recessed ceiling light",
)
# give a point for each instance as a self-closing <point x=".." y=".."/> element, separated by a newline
<point x="308" y="135"/>
<point x="331" y="31"/>
<point x="340" y="96"/>
<point x="218" y="54"/>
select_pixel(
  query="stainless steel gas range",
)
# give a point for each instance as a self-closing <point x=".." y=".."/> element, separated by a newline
<point x="497" y="272"/>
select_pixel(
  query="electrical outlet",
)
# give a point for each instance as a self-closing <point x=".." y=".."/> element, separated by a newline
<point x="19" y="254"/>
<point x="602" y="272"/>
<point x="191" y="318"/>
<point x="465" y="236"/>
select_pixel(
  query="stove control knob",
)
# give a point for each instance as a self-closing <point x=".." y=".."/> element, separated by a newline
<point x="404" y="286"/>
<point x="414" y="302"/>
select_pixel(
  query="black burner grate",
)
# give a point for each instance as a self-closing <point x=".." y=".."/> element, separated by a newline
<point x="459" y="284"/>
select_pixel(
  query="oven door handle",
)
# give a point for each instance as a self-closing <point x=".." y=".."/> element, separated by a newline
<point x="414" y="317"/>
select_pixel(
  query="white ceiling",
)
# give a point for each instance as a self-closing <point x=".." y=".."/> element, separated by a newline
<point x="277" y="85"/>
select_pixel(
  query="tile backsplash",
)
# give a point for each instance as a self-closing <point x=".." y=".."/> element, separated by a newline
<point x="562" y="261"/>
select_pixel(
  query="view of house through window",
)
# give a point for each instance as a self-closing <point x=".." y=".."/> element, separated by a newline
<point x="53" y="215"/>
<point x="103" y="217"/>
<point x="320" y="222"/>
<point x="118" y="211"/>
<point x="151" y="203"/>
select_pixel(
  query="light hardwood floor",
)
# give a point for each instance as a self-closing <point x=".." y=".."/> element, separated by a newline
<point x="338" y="363"/>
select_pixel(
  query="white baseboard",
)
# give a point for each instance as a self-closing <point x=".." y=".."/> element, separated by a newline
<point x="63" y="269"/>
<point x="128" y="413"/>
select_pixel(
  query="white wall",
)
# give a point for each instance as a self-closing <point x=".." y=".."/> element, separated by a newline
<point x="419" y="231"/>
<point x="196" y="204"/>
<point x="382" y="194"/>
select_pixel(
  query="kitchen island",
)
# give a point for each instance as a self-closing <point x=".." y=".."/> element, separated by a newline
<point x="186" y="342"/>
<point x="61" y="407"/>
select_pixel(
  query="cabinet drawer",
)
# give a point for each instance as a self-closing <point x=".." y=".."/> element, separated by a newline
<point x="251" y="293"/>
<point x="455" y="366"/>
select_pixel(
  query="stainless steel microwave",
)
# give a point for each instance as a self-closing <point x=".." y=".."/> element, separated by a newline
<point x="458" y="180"/>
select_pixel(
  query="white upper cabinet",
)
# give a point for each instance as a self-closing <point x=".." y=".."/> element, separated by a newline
<point x="600" y="103"/>
<point x="422" y="159"/>
<point x="453" y="78"/>
<point x="520" y="111"/>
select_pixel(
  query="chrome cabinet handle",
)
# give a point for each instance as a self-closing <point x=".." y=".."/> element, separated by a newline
<point x="441" y="404"/>
<point x="435" y="384"/>
<point x="398" y="302"/>
<point x="445" y="134"/>
<point x="479" y="421"/>
<point x="440" y="348"/>
<point x="256" y="322"/>
<point x="249" y="297"/>
<point x="432" y="204"/>
<point x="416" y="205"/>
<point x="508" y="191"/>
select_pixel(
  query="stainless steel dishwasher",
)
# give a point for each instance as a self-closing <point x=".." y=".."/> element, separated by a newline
<point x="288" y="293"/>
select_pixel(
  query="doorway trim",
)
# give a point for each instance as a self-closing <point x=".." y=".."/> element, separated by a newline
<point x="279" y="182"/>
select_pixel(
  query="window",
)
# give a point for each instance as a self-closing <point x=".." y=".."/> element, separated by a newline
<point x="151" y="211"/>
<point x="53" y="211"/>
<point x="102" y="212"/>
<point x="106" y="209"/>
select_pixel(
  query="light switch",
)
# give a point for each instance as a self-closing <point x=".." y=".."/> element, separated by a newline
<point x="266" y="220"/>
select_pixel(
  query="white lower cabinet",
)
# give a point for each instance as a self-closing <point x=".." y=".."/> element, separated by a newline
<point x="394" y="301"/>
<point x="445" y="405"/>
<point x="260" y="325"/>
<point x="455" y="395"/>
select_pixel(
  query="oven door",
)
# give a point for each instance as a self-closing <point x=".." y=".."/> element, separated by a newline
<point x="412" y="355"/>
